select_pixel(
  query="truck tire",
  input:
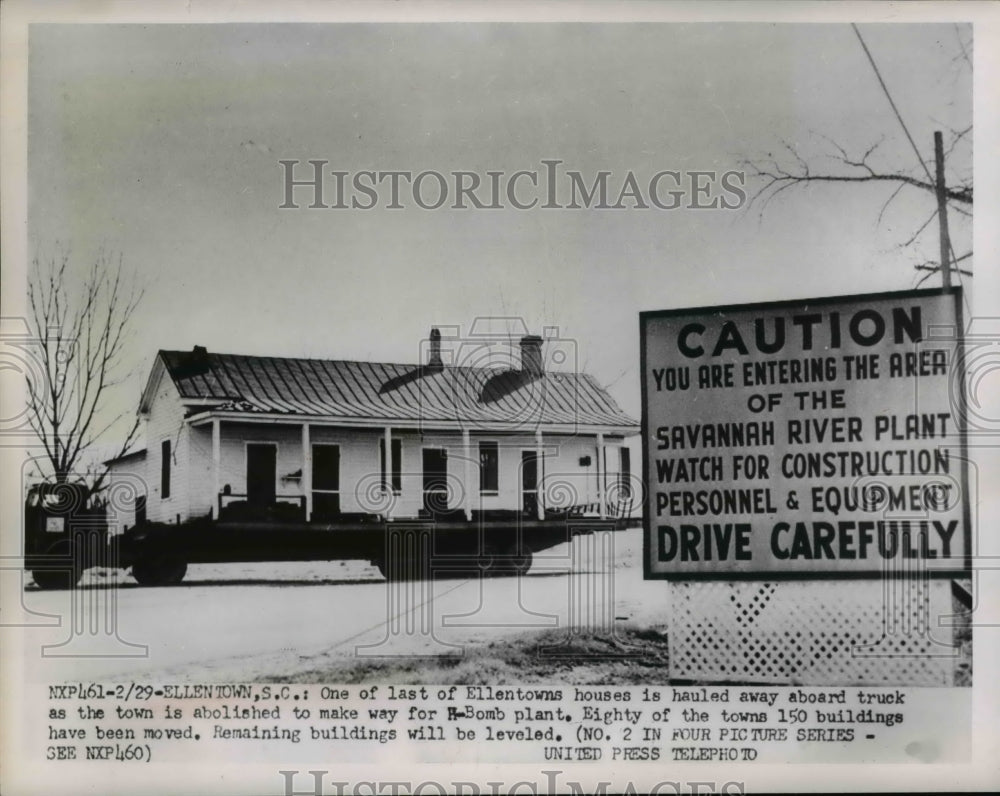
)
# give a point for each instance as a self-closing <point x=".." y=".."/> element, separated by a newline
<point x="407" y="554"/>
<point x="507" y="562"/>
<point x="52" y="579"/>
<point x="521" y="562"/>
<point x="65" y="574"/>
<point x="404" y="570"/>
<point x="161" y="571"/>
<point x="511" y="562"/>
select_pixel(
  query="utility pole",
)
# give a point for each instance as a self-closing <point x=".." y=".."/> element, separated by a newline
<point x="959" y="588"/>
<point x="942" y="202"/>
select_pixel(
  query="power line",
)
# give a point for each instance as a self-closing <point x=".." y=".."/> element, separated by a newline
<point x="899" y="118"/>
<point x="895" y="110"/>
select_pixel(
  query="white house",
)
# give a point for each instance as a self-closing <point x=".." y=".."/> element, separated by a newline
<point x="323" y="440"/>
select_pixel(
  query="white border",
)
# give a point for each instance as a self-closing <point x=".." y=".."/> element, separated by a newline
<point x="982" y="773"/>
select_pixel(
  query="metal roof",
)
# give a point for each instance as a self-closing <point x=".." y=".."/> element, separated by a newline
<point x="126" y="456"/>
<point x="383" y="391"/>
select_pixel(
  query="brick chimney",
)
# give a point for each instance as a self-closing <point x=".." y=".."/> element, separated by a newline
<point x="531" y="356"/>
<point x="196" y="363"/>
<point x="434" y="360"/>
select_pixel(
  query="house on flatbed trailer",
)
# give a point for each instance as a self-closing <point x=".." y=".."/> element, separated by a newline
<point x="326" y="441"/>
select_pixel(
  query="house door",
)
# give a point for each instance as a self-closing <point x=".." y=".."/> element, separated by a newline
<point x="435" y="479"/>
<point x="529" y="483"/>
<point x="262" y="473"/>
<point x="325" y="481"/>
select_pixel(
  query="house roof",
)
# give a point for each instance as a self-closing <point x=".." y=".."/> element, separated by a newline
<point x="230" y="383"/>
<point x="140" y="452"/>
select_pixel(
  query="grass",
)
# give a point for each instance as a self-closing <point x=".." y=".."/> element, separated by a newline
<point x="633" y="656"/>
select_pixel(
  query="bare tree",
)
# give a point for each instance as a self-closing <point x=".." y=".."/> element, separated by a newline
<point x="788" y="167"/>
<point x="777" y="178"/>
<point x="80" y="333"/>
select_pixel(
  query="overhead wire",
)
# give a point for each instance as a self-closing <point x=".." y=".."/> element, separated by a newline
<point x="899" y="118"/>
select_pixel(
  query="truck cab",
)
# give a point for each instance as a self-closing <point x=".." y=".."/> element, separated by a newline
<point x="65" y="532"/>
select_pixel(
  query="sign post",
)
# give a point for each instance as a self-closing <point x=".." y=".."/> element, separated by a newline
<point x="803" y="454"/>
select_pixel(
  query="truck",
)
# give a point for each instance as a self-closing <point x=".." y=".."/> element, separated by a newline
<point x="65" y="532"/>
<point x="64" y="535"/>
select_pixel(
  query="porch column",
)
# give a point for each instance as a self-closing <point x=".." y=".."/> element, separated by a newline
<point x="307" y="470"/>
<point x="467" y="483"/>
<point x="387" y="484"/>
<point x="540" y="474"/>
<point x="601" y="475"/>
<point x="216" y="465"/>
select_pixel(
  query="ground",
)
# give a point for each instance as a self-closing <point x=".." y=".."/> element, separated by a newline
<point x="632" y="656"/>
<point x="583" y="615"/>
<point x="239" y="622"/>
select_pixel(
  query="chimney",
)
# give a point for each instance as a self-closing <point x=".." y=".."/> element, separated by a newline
<point x="434" y="360"/>
<point x="198" y="364"/>
<point x="531" y="356"/>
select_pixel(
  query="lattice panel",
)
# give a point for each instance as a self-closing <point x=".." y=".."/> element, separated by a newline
<point x="812" y="633"/>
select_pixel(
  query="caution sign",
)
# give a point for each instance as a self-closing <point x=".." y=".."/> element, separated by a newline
<point x="803" y="438"/>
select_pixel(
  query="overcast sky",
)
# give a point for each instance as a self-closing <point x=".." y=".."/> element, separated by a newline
<point x="161" y="143"/>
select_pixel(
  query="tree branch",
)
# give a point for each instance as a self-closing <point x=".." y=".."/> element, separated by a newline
<point x="81" y="335"/>
<point x="776" y="178"/>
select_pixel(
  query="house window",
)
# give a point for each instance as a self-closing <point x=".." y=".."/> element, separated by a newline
<point x="489" y="468"/>
<point x="397" y="465"/>
<point x="625" y="472"/>
<point x="165" y="469"/>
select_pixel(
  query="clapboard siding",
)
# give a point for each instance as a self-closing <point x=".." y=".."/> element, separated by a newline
<point x="125" y="483"/>
<point x="360" y="469"/>
<point x="201" y="476"/>
<point x="564" y="480"/>
<point x="165" y="421"/>
<point x="561" y="470"/>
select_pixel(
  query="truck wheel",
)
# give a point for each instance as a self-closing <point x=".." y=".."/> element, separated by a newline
<point x="520" y="562"/>
<point x="487" y="564"/>
<point x="511" y="562"/>
<point x="69" y="571"/>
<point x="404" y="569"/>
<point x="51" y="579"/>
<point x="164" y="571"/>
